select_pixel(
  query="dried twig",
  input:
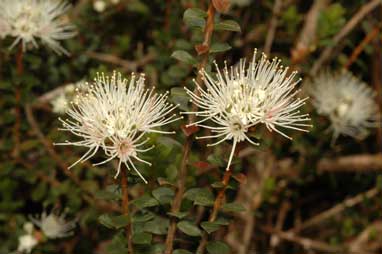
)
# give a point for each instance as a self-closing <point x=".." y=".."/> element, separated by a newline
<point x="275" y="239"/>
<point x="360" y="47"/>
<point x="305" y="242"/>
<point x="307" y="36"/>
<point x="272" y="26"/>
<point x="347" y="203"/>
<point x="359" y="163"/>
<point x="349" y="26"/>
<point x="127" y="66"/>
<point x="360" y="244"/>
<point x="377" y="83"/>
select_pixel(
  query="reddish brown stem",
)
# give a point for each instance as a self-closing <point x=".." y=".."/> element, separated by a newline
<point x="358" y="50"/>
<point x="16" y="129"/>
<point x="175" y="207"/>
<point x="217" y="205"/>
<point x="125" y="210"/>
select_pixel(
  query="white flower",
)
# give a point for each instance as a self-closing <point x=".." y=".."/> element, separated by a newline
<point x="346" y="101"/>
<point x="99" y="5"/>
<point x="114" y="115"/>
<point x="28" y="20"/>
<point x="242" y="97"/>
<point x="26" y="243"/>
<point x="54" y="226"/>
<point x="60" y="104"/>
<point x="61" y="101"/>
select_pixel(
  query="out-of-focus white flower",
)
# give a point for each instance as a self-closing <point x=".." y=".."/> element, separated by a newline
<point x="115" y="1"/>
<point x="346" y="101"/>
<point x="28" y="227"/>
<point x="114" y="114"/>
<point x="28" y="20"/>
<point x="61" y="101"/>
<point x="60" y="104"/>
<point x="242" y="97"/>
<point x="26" y="243"/>
<point x="99" y="5"/>
<point x="54" y="226"/>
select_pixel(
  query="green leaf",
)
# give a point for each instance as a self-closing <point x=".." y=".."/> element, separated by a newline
<point x="105" y="220"/>
<point x="210" y="227"/>
<point x="189" y="228"/>
<point x="219" y="47"/>
<point x="200" y="196"/>
<point x="181" y="251"/>
<point x="157" y="226"/>
<point x="142" y="217"/>
<point x="118" y="244"/>
<point x="184" y="56"/>
<point x="180" y="97"/>
<point x="228" y="25"/>
<point x="145" y="201"/>
<point x="217" y="247"/>
<point x="164" y="195"/>
<point x="142" y="238"/>
<point x="194" y="17"/>
<point x="216" y="160"/>
<point x="138" y="6"/>
<point x="233" y="207"/>
<point x="112" y="192"/>
<point x="217" y="185"/>
<point x="179" y="215"/>
<point x="379" y="182"/>
<point x="116" y="222"/>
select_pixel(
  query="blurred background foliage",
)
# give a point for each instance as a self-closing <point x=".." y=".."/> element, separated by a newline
<point x="277" y="187"/>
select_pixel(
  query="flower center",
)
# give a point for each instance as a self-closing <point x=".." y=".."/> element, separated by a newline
<point x="126" y="149"/>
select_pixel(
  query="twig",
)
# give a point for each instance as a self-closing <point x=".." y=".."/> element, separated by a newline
<point x="305" y="242"/>
<point x="275" y="240"/>
<point x="357" y="51"/>
<point x="308" y="33"/>
<point x="377" y="83"/>
<point x="125" y="210"/>
<point x="175" y="207"/>
<point x="16" y="129"/>
<point x="347" y="203"/>
<point x="361" y="242"/>
<point x="126" y="65"/>
<point x="217" y="205"/>
<point x="272" y="26"/>
<point x="359" y="163"/>
<point x="349" y="26"/>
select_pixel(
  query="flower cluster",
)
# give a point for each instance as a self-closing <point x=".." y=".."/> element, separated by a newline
<point x="346" y="101"/>
<point x="243" y="96"/>
<point x="27" y="20"/>
<point x="114" y="115"/>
